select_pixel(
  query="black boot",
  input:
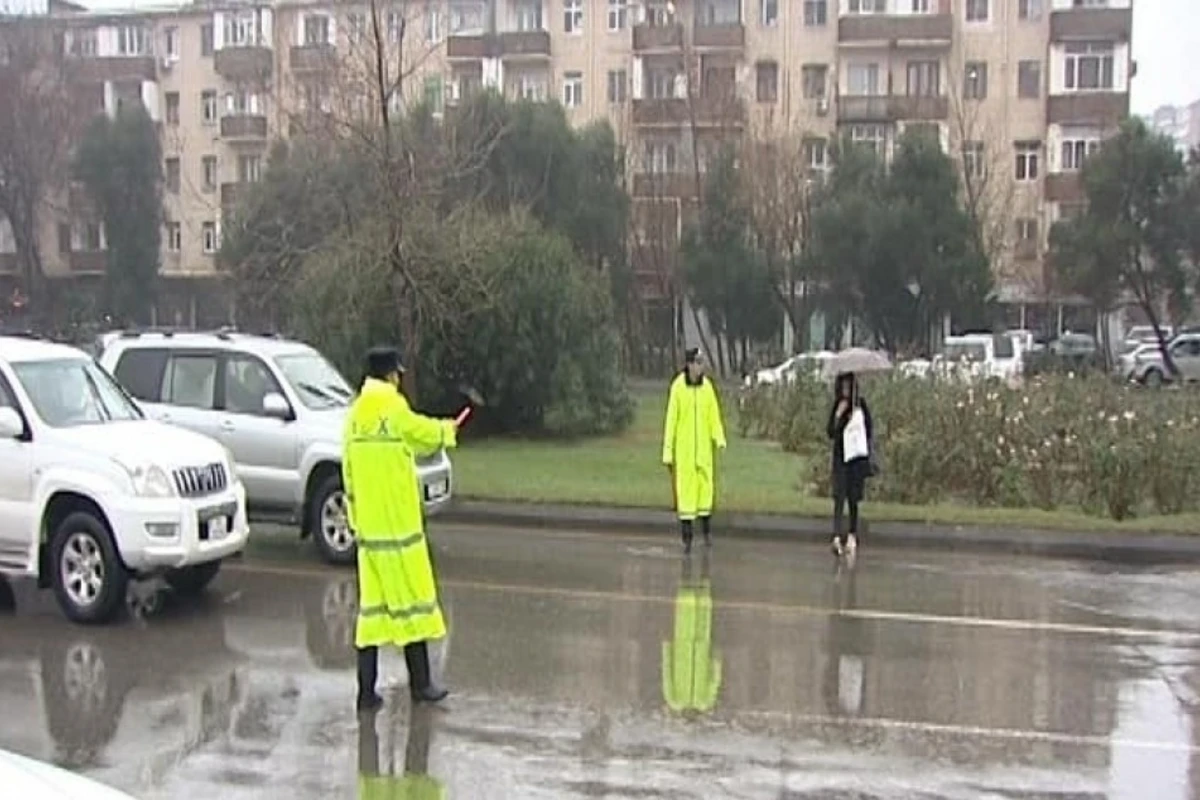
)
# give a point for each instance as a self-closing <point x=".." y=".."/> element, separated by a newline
<point x="368" y="672"/>
<point x="706" y="529"/>
<point x="420" y="685"/>
<point x="685" y="529"/>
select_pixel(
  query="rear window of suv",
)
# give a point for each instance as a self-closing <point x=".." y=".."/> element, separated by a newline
<point x="140" y="371"/>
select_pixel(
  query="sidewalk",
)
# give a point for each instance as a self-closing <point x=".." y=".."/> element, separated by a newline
<point x="1126" y="548"/>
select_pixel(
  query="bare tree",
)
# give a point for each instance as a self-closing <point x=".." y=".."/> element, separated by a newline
<point x="36" y="124"/>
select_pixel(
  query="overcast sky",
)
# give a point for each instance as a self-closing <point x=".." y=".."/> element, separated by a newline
<point x="1166" y="34"/>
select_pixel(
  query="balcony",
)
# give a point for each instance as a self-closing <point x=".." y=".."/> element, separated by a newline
<point x="664" y="184"/>
<point x="1026" y="250"/>
<point x="312" y="57"/>
<point x="719" y="37"/>
<point x="465" y="48"/>
<point x="651" y="38"/>
<point x="1064" y="187"/>
<point x="241" y="64"/>
<point x="710" y="111"/>
<point x="248" y="127"/>
<point x="921" y="108"/>
<point x="1109" y="24"/>
<point x="1103" y="109"/>
<point x="88" y="260"/>
<point x="919" y="30"/>
<point x="120" y="68"/>
<point x="525" y="44"/>
<point x="864" y="108"/>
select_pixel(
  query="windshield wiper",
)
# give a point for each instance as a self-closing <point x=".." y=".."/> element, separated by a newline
<point x="317" y="391"/>
<point x="339" y="390"/>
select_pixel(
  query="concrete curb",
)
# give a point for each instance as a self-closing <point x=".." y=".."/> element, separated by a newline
<point x="1126" y="548"/>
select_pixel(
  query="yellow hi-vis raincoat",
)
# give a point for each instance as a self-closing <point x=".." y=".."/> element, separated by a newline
<point x="691" y="673"/>
<point x="406" y="787"/>
<point x="397" y="595"/>
<point x="692" y="430"/>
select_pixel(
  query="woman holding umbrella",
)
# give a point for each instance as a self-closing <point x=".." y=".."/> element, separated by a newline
<point x="851" y="434"/>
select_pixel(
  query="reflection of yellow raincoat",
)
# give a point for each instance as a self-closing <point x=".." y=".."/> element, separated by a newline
<point x="691" y="673"/>
<point x="397" y="596"/>
<point x="693" y="429"/>
<point x="405" y="787"/>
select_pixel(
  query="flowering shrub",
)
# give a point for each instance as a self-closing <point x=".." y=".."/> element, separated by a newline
<point x="1057" y="441"/>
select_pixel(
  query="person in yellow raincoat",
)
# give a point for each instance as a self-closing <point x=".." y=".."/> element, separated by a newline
<point x="692" y="432"/>
<point x="691" y="671"/>
<point x="397" y="594"/>
<point x="416" y="783"/>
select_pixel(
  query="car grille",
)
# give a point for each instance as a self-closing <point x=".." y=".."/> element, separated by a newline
<point x="201" y="481"/>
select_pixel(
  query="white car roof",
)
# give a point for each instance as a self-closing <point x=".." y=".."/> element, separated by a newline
<point x="24" y="777"/>
<point x="265" y="346"/>
<point x="18" y="349"/>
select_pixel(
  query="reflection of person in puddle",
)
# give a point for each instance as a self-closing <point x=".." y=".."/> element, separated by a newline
<point x="415" y="783"/>
<point x="691" y="671"/>
<point x="844" y="685"/>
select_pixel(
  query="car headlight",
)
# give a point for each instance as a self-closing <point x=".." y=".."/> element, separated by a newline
<point x="149" y="480"/>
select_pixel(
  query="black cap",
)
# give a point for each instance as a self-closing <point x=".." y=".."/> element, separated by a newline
<point x="383" y="361"/>
<point x="691" y="355"/>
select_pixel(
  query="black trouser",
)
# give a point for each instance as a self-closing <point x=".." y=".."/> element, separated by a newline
<point x="847" y="491"/>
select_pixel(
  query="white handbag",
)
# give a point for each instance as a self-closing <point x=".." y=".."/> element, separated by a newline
<point x="854" y="437"/>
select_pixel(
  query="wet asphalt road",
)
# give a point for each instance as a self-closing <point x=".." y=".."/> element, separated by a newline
<point x="917" y="675"/>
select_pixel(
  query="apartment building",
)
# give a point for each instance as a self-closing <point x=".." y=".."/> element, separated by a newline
<point x="1022" y="90"/>
<point x="1181" y="123"/>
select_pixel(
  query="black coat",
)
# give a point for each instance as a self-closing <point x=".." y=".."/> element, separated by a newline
<point x="858" y="470"/>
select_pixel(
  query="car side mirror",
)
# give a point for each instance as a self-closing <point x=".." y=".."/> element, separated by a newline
<point x="276" y="405"/>
<point x="11" y="424"/>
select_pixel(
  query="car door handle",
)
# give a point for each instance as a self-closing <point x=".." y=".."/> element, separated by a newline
<point x="227" y="425"/>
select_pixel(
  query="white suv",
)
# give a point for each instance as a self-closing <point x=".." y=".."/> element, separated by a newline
<point x="92" y="493"/>
<point x="278" y="406"/>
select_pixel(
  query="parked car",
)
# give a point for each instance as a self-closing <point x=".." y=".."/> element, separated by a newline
<point x="92" y="492"/>
<point x="24" y="777"/>
<point x="1126" y="364"/>
<point x="1148" y="367"/>
<point x="980" y="356"/>
<point x="786" y="373"/>
<point x="278" y="405"/>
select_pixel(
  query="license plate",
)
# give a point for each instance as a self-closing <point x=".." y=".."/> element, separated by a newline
<point x="436" y="491"/>
<point x="215" y="529"/>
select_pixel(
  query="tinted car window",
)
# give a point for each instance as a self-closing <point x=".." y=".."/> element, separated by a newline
<point x="141" y="373"/>
<point x="247" y="382"/>
<point x="190" y="380"/>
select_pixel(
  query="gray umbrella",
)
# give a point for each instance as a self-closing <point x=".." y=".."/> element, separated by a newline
<point x="858" y="360"/>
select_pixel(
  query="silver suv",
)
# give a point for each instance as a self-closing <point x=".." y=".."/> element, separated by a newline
<point x="1146" y="366"/>
<point x="279" y="406"/>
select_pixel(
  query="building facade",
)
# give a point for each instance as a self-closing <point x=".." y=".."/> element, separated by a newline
<point x="1181" y="123"/>
<point x="1020" y="91"/>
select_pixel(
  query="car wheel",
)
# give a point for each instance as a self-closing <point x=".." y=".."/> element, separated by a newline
<point x="89" y="579"/>
<point x="331" y="524"/>
<point x="1153" y="379"/>
<point x="194" y="579"/>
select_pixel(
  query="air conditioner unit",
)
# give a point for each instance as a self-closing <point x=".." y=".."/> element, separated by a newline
<point x="168" y="62"/>
<point x="823" y="107"/>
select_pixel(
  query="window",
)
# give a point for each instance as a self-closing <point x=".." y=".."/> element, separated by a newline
<point x="815" y="77"/>
<point x="661" y="84"/>
<point x="208" y="237"/>
<point x="529" y="17"/>
<point x="82" y="44"/>
<point x="868" y="6"/>
<point x="1029" y="79"/>
<point x="206" y="40"/>
<point x="816" y="12"/>
<point x="572" y="89"/>
<point x="532" y="87"/>
<point x="247" y="383"/>
<point x="172" y="175"/>
<point x="172" y="110"/>
<point x="816" y="153"/>
<point x="243" y="29"/>
<point x="171" y="43"/>
<point x="618" y="85"/>
<point x="316" y="381"/>
<point x="975" y="82"/>
<point x="1027" y="229"/>
<point x="316" y="29"/>
<point x="249" y="168"/>
<point x="356" y="28"/>
<point x="618" y="15"/>
<point x="659" y="15"/>
<point x="573" y="16"/>
<point x="241" y="103"/>
<point x="770" y="12"/>
<point x="661" y="157"/>
<point x="74" y="391"/>
<point x="87" y="237"/>
<point x="974" y="165"/>
<point x="767" y="81"/>
<point x="1089" y="66"/>
<point x="433" y="23"/>
<point x="434" y="93"/>
<point x="920" y="6"/>
<point x="1030" y="10"/>
<point x="863" y="79"/>
<point x="208" y="106"/>
<point x="190" y="380"/>
<point x="871" y="136"/>
<point x="174" y="237"/>
<point x="140" y="372"/>
<point x="64" y="238"/>
<point x="132" y="40"/>
<point x="1027" y="160"/>
<point x="395" y="26"/>
<point x="208" y="170"/>
<point x="978" y="10"/>
<point x="466" y="17"/>
<point x="1076" y="149"/>
<point x="8" y="242"/>
<point x="924" y="79"/>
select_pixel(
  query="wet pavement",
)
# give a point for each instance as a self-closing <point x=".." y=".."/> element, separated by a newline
<point x="604" y="666"/>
